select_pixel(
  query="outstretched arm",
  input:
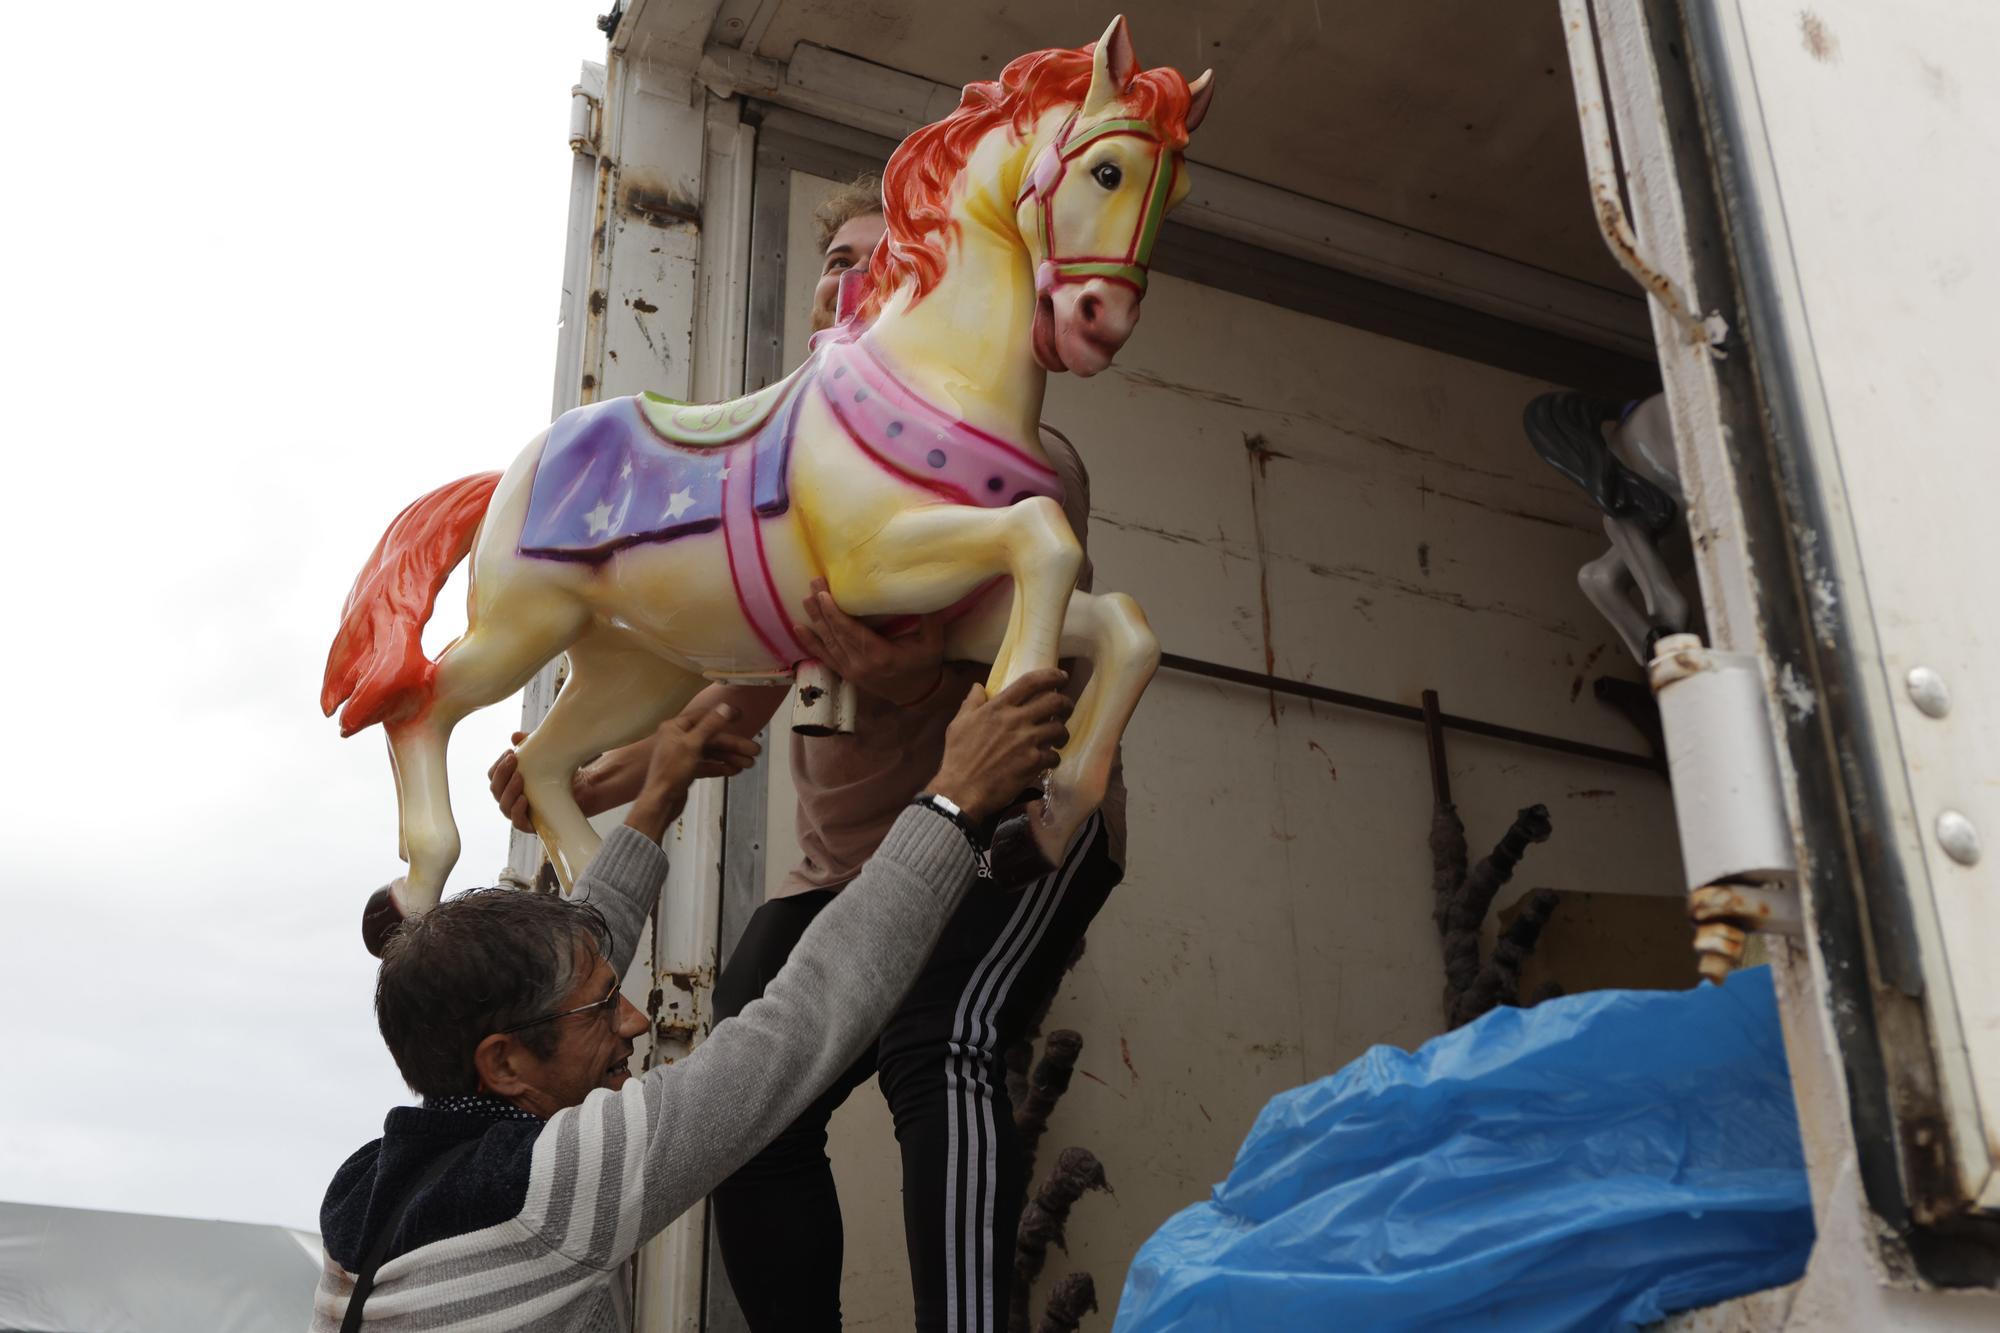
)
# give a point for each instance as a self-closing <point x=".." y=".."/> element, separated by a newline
<point x="623" y="880"/>
<point x="615" y="777"/>
<point x="664" y="1141"/>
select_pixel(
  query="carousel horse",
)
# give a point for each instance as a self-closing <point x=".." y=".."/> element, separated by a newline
<point x="1634" y="476"/>
<point x="660" y="544"/>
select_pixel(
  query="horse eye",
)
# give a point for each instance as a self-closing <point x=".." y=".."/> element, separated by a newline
<point x="1107" y="174"/>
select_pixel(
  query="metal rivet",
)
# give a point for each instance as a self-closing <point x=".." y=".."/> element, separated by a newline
<point x="1928" y="692"/>
<point x="1958" y="837"/>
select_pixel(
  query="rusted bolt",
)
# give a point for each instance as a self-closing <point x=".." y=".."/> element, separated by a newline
<point x="1718" y="948"/>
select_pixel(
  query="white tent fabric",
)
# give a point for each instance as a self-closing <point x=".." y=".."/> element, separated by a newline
<point x="72" y="1270"/>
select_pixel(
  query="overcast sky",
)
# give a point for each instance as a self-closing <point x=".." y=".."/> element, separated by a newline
<point x="270" y="273"/>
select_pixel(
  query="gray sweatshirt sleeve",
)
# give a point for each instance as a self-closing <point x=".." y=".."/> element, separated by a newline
<point x="623" y="882"/>
<point x="613" y="1172"/>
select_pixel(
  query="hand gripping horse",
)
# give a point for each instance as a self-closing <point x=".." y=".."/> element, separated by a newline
<point x="660" y="544"/>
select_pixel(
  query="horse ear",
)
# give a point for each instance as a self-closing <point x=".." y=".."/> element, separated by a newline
<point x="1200" y="93"/>
<point x="1112" y="68"/>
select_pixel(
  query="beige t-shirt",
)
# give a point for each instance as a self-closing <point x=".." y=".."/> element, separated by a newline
<point x="851" y="788"/>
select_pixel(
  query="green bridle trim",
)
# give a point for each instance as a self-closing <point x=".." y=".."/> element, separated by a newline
<point x="1138" y="127"/>
<point x="1166" y="170"/>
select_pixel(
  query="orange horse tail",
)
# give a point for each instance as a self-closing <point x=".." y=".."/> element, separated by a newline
<point x="377" y="665"/>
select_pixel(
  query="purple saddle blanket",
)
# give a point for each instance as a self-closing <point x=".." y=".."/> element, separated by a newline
<point x="608" y="480"/>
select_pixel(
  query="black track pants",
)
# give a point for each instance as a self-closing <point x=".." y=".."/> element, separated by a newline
<point x="939" y="1064"/>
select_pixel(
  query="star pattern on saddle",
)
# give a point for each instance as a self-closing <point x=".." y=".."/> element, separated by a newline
<point x="607" y="479"/>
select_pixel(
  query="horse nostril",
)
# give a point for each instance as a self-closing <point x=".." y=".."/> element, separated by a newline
<point x="1086" y="308"/>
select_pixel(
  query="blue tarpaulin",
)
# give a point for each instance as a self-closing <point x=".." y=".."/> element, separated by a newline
<point x="1595" y="1162"/>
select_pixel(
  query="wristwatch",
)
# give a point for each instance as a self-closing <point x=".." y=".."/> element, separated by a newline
<point x="947" y="807"/>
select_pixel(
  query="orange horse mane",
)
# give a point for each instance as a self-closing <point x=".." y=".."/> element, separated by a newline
<point x="917" y="186"/>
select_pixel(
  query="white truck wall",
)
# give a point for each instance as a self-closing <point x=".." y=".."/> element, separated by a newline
<point x="1275" y="922"/>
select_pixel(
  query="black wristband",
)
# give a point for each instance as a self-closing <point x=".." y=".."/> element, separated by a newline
<point x="949" y="809"/>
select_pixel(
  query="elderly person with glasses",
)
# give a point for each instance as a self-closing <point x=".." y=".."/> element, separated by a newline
<point x="516" y="1195"/>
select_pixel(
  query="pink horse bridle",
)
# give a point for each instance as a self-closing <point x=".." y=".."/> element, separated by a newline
<point x="1129" y="268"/>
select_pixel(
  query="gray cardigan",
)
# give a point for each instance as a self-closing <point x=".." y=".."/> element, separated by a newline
<point x="598" y="1180"/>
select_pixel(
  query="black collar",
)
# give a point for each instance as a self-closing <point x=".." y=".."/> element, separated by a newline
<point x="482" y="1104"/>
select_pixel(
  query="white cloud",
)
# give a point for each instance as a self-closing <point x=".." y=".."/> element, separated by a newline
<point x="271" y="272"/>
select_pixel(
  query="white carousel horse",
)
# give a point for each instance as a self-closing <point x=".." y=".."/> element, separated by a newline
<point x="1634" y="476"/>
<point x="659" y="544"/>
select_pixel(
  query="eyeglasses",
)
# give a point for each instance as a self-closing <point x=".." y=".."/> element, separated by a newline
<point x="603" y="1006"/>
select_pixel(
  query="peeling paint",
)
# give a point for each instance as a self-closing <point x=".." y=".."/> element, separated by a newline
<point x="1820" y="43"/>
<point x="657" y="205"/>
<point x="1576" y="686"/>
<point x="1798" y="695"/>
<point x="1822" y="597"/>
<point x="1098" y="1081"/>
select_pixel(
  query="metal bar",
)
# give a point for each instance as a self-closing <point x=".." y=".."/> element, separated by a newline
<point x="1472" y="726"/>
<point x="1434" y="742"/>
<point x="1613" y="222"/>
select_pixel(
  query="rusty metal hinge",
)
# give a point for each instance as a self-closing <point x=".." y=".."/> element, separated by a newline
<point x="583" y="120"/>
<point x="1736" y="841"/>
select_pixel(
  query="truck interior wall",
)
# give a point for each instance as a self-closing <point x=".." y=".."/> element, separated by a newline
<point x="1291" y="495"/>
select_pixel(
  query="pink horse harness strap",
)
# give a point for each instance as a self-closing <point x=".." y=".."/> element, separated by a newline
<point x="922" y="442"/>
<point x="1130" y="268"/>
<point x="903" y="434"/>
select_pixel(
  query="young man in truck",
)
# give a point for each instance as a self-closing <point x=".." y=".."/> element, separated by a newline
<point x="938" y="1060"/>
<point x="516" y="1195"/>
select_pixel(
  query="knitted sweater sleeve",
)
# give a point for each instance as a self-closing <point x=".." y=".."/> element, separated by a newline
<point x="623" y="882"/>
<point x="611" y="1173"/>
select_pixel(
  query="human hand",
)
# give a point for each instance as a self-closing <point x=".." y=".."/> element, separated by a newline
<point x="995" y="748"/>
<point x="903" y="670"/>
<point x="695" y="743"/>
<point x="503" y="779"/>
<point x="605" y="783"/>
<point x="609" y="780"/>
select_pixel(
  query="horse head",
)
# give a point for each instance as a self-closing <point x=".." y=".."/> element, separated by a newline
<point x="1085" y="160"/>
<point x="1090" y="209"/>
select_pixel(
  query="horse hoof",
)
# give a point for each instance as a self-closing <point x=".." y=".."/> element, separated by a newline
<point x="379" y="919"/>
<point x="1013" y="855"/>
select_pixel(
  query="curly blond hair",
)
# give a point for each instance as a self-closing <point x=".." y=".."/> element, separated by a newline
<point x="858" y="198"/>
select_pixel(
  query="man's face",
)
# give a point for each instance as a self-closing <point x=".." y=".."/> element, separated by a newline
<point x="849" y="248"/>
<point x="591" y="1048"/>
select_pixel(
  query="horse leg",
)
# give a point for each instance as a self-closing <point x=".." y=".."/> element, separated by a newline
<point x="1604" y="581"/>
<point x="505" y="646"/>
<point x="936" y="554"/>
<point x="617" y="692"/>
<point x="1111" y="633"/>
<point x="1665" y="606"/>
